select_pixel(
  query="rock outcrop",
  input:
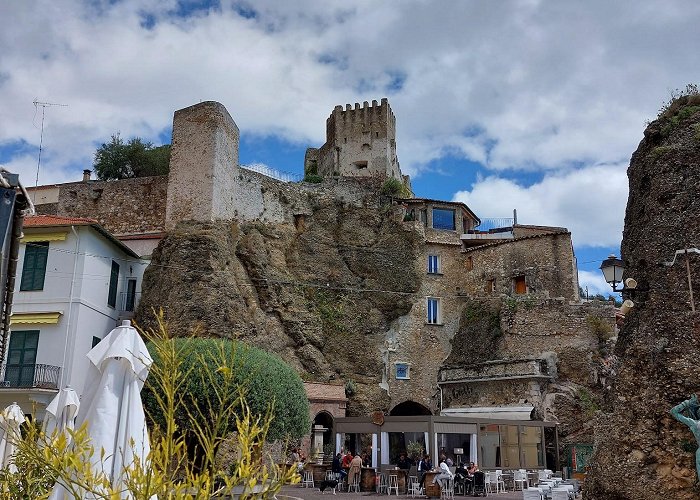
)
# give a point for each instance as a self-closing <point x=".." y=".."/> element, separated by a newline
<point x="641" y="452"/>
<point x="318" y="291"/>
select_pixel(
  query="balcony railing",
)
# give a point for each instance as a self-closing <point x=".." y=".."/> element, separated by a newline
<point x="495" y="223"/>
<point x="29" y="376"/>
<point x="128" y="301"/>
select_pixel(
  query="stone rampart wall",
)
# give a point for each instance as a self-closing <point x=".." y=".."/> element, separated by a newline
<point x="128" y="206"/>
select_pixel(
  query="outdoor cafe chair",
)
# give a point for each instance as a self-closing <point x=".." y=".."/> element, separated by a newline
<point x="447" y="488"/>
<point x="355" y="484"/>
<point x="380" y="481"/>
<point x="542" y="475"/>
<point x="492" y="482"/>
<point x="308" y="480"/>
<point x="520" y="476"/>
<point x="393" y="484"/>
<point x="414" y="487"/>
<point x="560" y="494"/>
<point x="532" y="494"/>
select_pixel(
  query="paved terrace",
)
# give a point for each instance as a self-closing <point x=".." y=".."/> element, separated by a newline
<point x="297" y="492"/>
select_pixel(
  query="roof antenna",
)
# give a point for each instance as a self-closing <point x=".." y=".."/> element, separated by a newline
<point x="43" y="105"/>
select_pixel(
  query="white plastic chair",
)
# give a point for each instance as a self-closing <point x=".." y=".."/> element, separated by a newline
<point x="447" y="488"/>
<point x="542" y="475"/>
<point x="560" y="494"/>
<point x="355" y="485"/>
<point x="500" y="481"/>
<point x="393" y="484"/>
<point x="492" y="482"/>
<point x="520" y="477"/>
<point x="414" y="487"/>
<point x="308" y="480"/>
<point x="532" y="494"/>
<point x="381" y="483"/>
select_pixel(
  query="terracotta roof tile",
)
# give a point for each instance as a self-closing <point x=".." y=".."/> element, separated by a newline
<point x="54" y="220"/>
<point x="327" y="392"/>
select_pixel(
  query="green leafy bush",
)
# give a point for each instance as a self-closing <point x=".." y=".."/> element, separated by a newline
<point x="262" y="377"/>
<point x="313" y="178"/>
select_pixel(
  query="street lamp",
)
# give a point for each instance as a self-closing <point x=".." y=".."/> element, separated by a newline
<point x="613" y="268"/>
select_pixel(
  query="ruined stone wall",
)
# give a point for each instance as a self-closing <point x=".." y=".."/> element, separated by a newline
<point x="641" y="452"/>
<point x="545" y="261"/>
<point x="128" y="206"/>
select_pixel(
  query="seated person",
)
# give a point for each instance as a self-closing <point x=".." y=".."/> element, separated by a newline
<point x="444" y="475"/>
<point x="338" y="468"/>
<point x="425" y="465"/>
<point x="472" y="468"/>
<point x="404" y="462"/>
<point x="463" y="477"/>
<point x="347" y="459"/>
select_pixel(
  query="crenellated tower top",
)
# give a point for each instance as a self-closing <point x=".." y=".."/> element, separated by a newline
<point x="360" y="142"/>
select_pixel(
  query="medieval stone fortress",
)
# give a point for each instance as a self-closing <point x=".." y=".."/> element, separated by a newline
<point x="383" y="301"/>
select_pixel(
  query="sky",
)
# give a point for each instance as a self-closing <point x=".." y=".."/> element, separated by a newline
<point x="529" y="105"/>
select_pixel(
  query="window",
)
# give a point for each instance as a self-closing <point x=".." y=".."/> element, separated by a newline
<point x="21" y="358"/>
<point x="130" y="294"/>
<point x="113" y="281"/>
<point x="34" y="269"/>
<point x="519" y="286"/>
<point x="360" y="164"/>
<point x="95" y="341"/>
<point x="433" y="317"/>
<point x="443" y="219"/>
<point x="433" y="264"/>
<point x="403" y="370"/>
<point x="469" y="263"/>
<point x="490" y="286"/>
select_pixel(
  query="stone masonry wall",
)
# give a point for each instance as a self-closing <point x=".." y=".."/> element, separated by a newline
<point x="545" y="261"/>
<point x="128" y="206"/>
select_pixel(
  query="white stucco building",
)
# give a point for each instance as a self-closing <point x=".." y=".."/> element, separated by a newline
<point x="75" y="282"/>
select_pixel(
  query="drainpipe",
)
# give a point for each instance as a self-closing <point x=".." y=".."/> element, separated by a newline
<point x="70" y="311"/>
<point x="17" y="223"/>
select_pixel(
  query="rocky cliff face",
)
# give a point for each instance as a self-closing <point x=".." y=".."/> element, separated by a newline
<point x="320" y="291"/>
<point x="642" y="453"/>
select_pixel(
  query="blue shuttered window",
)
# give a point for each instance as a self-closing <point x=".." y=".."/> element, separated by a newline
<point x="433" y="264"/>
<point x="433" y="311"/>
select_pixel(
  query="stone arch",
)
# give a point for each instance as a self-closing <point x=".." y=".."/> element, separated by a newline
<point x="325" y="420"/>
<point x="409" y="408"/>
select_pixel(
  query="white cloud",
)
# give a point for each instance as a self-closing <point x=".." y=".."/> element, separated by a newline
<point x="594" y="283"/>
<point x="513" y="84"/>
<point x="590" y="202"/>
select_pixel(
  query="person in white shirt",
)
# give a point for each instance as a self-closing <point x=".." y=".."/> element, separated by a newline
<point x="444" y="473"/>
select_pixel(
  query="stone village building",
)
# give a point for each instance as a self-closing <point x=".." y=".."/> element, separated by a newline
<point x="494" y="326"/>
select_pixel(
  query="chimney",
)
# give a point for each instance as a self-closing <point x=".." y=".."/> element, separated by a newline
<point x="86" y="175"/>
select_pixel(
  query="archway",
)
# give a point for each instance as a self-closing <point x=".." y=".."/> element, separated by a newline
<point x="325" y="420"/>
<point x="409" y="409"/>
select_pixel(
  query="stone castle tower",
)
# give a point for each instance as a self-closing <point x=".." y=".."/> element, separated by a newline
<point x="360" y="142"/>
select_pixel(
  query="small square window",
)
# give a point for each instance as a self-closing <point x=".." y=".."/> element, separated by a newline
<point x="433" y="305"/>
<point x="433" y="264"/>
<point x="403" y="371"/>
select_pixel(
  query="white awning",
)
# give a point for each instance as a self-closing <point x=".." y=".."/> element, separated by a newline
<point x="493" y="412"/>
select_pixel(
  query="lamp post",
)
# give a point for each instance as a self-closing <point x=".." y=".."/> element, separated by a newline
<point x="613" y="268"/>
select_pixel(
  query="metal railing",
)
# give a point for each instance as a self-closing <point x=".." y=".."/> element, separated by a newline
<point x="29" y="376"/>
<point x="271" y="172"/>
<point x="128" y="301"/>
<point x="495" y="223"/>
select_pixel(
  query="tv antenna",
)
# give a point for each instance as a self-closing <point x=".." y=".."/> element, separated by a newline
<point x="43" y="105"/>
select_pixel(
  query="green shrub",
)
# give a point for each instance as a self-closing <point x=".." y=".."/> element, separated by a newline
<point x="313" y="178"/>
<point x="263" y="378"/>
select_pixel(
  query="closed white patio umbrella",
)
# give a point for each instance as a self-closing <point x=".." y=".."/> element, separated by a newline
<point x="111" y="404"/>
<point x="61" y="412"/>
<point x="10" y="420"/>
